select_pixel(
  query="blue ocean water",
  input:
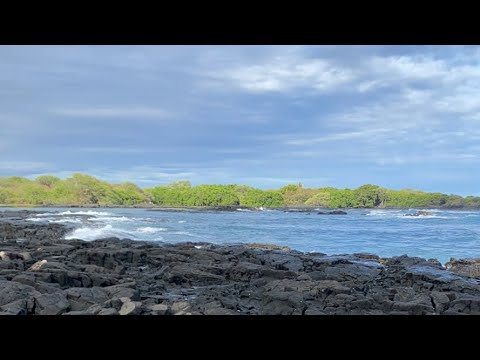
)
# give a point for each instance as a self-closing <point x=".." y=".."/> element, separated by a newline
<point x="444" y="234"/>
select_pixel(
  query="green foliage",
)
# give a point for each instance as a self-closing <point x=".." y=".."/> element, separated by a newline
<point x="6" y="196"/>
<point x="321" y="198"/>
<point x="181" y="185"/>
<point x="266" y="198"/>
<point x="299" y="196"/>
<point x="368" y="196"/>
<point x="47" y="180"/>
<point x="80" y="189"/>
<point x="129" y="194"/>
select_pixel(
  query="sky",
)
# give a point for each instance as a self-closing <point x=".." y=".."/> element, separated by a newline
<point x="265" y="116"/>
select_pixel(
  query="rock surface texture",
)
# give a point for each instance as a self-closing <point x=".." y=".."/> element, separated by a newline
<point x="42" y="274"/>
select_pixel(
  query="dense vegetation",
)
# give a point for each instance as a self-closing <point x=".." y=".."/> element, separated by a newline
<point x="82" y="189"/>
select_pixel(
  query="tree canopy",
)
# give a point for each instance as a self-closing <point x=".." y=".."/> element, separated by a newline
<point x="81" y="189"/>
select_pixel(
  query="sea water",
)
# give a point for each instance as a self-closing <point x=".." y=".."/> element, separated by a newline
<point x="441" y="235"/>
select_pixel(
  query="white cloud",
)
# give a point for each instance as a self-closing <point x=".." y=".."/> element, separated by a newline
<point x="284" y="73"/>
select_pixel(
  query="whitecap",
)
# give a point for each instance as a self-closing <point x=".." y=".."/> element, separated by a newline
<point x="36" y="219"/>
<point x="88" y="212"/>
<point x="110" y="218"/>
<point x="63" y="221"/>
<point x="45" y="214"/>
<point x="89" y="233"/>
<point x="149" y="230"/>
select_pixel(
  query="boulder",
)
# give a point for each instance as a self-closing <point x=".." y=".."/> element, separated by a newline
<point x="51" y="304"/>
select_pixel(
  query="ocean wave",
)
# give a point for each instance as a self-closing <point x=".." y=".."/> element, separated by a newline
<point x="149" y="230"/>
<point x="63" y="221"/>
<point x="111" y="218"/>
<point x="245" y="210"/>
<point x="385" y="213"/>
<point x="427" y="217"/>
<point x="35" y="219"/>
<point x="88" y="212"/>
<point x="89" y="233"/>
<point x="181" y="221"/>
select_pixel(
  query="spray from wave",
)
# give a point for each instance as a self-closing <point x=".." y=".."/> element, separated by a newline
<point x="89" y="233"/>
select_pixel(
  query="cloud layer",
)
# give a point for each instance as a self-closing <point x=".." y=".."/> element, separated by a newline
<point x="397" y="116"/>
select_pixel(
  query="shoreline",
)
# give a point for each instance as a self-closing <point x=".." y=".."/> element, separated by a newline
<point x="230" y="208"/>
<point x="41" y="273"/>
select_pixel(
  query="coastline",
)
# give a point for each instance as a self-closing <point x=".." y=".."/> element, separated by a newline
<point x="231" y="207"/>
<point x="41" y="273"/>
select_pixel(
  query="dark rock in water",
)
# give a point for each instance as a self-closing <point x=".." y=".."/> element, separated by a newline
<point x="335" y="212"/>
<point x="420" y="213"/>
<point x="46" y="274"/>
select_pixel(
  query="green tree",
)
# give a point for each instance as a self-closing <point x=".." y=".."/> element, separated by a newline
<point x="47" y="180"/>
<point x="266" y="198"/>
<point x="369" y="196"/>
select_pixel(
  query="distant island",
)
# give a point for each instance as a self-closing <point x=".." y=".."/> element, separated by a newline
<point x="85" y="190"/>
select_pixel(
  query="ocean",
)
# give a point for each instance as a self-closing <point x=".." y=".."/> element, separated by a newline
<point x="442" y="235"/>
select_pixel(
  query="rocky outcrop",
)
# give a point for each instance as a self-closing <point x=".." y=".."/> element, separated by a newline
<point x="335" y="212"/>
<point x="420" y="213"/>
<point x="467" y="267"/>
<point x="46" y="275"/>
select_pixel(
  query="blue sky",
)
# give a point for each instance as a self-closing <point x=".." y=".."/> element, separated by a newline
<point x="266" y="116"/>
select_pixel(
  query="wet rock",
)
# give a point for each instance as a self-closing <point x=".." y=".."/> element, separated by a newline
<point x="335" y="212"/>
<point x="420" y="213"/>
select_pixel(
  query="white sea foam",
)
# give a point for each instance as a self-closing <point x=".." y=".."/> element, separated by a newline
<point x="63" y="221"/>
<point x="88" y="212"/>
<point x="428" y="217"/>
<point x="181" y="221"/>
<point x="244" y="210"/>
<point x="89" y="233"/>
<point x="111" y="218"/>
<point x="35" y="219"/>
<point x="149" y="230"/>
<point x="385" y="213"/>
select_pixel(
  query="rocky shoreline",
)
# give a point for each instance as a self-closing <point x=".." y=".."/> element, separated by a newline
<point x="43" y="274"/>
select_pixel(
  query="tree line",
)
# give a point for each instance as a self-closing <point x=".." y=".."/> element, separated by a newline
<point x="81" y="189"/>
